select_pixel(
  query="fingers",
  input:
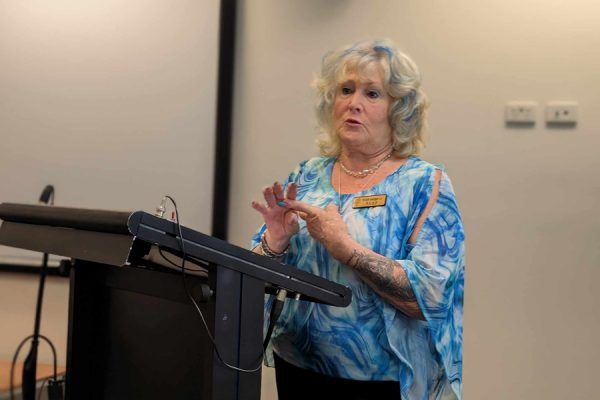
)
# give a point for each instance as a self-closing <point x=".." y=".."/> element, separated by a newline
<point x="274" y="195"/>
<point x="260" y="207"/>
<point x="278" y="192"/>
<point x="311" y="213"/>
<point x="303" y="207"/>
<point x="302" y="215"/>
<point x="269" y="196"/>
<point x="278" y="200"/>
<point x="307" y="217"/>
<point x="275" y="198"/>
<point x="292" y="191"/>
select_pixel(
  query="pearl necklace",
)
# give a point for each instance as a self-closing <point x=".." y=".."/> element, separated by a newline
<point x="339" y="191"/>
<point x="363" y="186"/>
<point x="365" y="172"/>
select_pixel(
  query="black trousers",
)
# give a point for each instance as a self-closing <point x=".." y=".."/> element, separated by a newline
<point x="295" y="383"/>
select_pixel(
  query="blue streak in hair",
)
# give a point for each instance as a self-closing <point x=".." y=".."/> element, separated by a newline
<point x="412" y="114"/>
<point x="384" y="49"/>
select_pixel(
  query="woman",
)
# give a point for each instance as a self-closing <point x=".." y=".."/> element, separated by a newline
<point x="370" y="215"/>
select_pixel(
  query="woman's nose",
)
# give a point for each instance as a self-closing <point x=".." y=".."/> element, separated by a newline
<point x="355" y="103"/>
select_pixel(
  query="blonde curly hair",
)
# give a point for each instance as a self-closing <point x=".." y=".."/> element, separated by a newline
<point x="402" y="81"/>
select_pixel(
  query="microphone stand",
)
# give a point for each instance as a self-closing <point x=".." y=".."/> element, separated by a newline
<point x="30" y="364"/>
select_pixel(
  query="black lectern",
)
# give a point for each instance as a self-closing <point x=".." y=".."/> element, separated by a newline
<point x="133" y="332"/>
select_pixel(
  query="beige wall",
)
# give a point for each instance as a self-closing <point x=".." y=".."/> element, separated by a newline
<point x="111" y="101"/>
<point x="528" y="196"/>
<point x="18" y="294"/>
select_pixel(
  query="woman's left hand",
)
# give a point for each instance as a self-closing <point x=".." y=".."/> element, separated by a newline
<point x="325" y="225"/>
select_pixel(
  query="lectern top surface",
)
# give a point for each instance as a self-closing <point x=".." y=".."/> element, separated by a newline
<point x="68" y="217"/>
<point x="119" y="238"/>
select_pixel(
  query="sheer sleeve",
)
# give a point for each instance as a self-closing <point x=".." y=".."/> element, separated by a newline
<point x="435" y="268"/>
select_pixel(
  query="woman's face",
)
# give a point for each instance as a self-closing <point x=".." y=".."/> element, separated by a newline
<point x="361" y="111"/>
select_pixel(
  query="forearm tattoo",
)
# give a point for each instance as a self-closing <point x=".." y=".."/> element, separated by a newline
<point x="388" y="278"/>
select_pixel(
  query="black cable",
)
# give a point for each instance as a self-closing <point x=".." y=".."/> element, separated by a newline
<point x="197" y="307"/>
<point x="276" y="308"/>
<point x="14" y="361"/>
<point x="173" y="263"/>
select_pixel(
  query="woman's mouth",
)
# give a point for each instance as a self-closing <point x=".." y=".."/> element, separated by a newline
<point x="352" y="121"/>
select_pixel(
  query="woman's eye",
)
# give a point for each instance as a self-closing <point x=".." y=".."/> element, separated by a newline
<point x="373" y="94"/>
<point x="346" y="90"/>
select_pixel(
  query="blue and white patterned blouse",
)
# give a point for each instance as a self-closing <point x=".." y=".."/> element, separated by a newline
<point x="370" y="339"/>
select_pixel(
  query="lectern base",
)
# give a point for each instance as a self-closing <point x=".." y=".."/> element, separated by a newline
<point x="134" y="334"/>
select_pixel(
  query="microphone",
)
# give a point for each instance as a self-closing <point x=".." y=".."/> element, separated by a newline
<point x="46" y="194"/>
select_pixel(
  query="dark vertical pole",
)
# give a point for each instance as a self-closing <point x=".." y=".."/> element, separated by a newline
<point x="30" y="365"/>
<point x="222" y="168"/>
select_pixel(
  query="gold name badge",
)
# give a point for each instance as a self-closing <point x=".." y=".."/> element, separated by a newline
<point x="369" y="201"/>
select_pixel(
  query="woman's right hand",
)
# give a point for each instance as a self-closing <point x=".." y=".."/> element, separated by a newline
<point x="281" y="222"/>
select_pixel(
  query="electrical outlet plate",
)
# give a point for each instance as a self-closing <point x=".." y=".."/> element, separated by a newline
<point x="562" y="112"/>
<point x="520" y="112"/>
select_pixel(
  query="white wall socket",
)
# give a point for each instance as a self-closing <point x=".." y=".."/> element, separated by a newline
<point x="520" y="112"/>
<point x="562" y="112"/>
